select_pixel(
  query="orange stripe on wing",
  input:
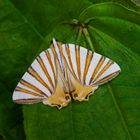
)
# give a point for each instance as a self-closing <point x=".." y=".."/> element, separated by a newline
<point x="50" y="61"/>
<point x="69" y="59"/>
<point x="32" y="72"/>
<point x="101" y="61"/>
<point x="77" y="51"/>
<point x="29" y="85"/>
<point x="41" y="63"/>
<point x="27" y="91"/>
<point x="87" y="64"/>
<point x="31" y="100"/>
<point x="109" y="63"/>
<point x="57" y="57"/>
<point x="107" y="78"/>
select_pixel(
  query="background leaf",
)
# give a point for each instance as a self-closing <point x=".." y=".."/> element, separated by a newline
<point x="131" y="4"/>
<point x="26" y="28"/>
<point x="46" y="14"/>
<point x="17" y="39"/>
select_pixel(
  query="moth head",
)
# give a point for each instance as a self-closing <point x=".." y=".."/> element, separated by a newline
<point x="83" y="93"/>
<point x="59" y="102"/>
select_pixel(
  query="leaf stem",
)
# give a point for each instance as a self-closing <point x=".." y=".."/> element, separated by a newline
<point x="79" y="35"/>
<point x="87" y="36"/>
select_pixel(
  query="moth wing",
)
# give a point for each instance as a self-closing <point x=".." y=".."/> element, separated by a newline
<point x="89" y="68"/>
<point x="78" y="60"/>
<point x="101" y="70"/>
<point x="72" y="54"/>
<point x="38" y="82"/>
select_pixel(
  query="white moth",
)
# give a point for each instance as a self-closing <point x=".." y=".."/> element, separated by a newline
<point x="62" y="72"/>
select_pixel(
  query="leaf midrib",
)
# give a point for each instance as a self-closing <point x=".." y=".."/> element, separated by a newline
<point x="119" y="111"/>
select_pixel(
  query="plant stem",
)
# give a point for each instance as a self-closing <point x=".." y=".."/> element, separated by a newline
<point x="87" y="36"/>
<point x="79" y="35"/>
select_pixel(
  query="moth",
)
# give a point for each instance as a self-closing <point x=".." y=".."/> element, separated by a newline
<point x="62" y="73"/>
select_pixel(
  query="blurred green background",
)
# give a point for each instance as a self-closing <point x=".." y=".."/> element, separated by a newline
<point x="113" y="26"/>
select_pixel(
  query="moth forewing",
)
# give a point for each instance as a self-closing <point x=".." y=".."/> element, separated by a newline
<point x="106" y="73"/>
<point x="37" y="83"/>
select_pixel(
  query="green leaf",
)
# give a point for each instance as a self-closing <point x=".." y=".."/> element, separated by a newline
<point x="115" y="20"/>
<point x="114" y="31"/>
<point x="46" y="14"/>
<point x="17" y="39"/>
<point x="10" y="128"/>
<point x="113" y="111"/>
<point x="131" y="4"/>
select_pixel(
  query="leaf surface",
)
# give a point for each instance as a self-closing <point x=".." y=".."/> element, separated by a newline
<point x="112" y="112"/>
<point x="17" y="39"/>
<point x="26" y="28"/>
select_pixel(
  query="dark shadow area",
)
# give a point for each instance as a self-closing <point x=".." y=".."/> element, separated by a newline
<point x="1" y="137"/>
